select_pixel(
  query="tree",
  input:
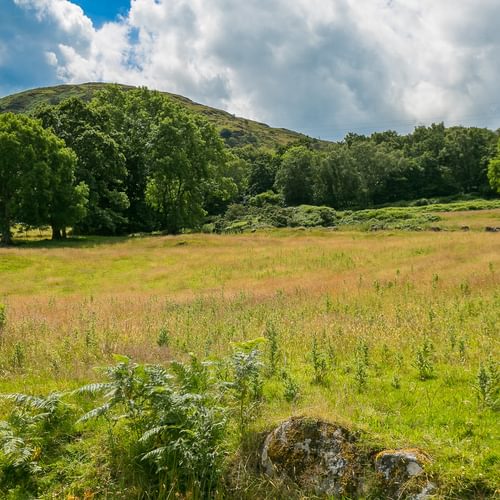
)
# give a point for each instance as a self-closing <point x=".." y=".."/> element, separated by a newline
<point x="185" y="150"/>
<point x="466" y="153"/>
<point x="494" y="170"/>
<point x="36" y="177"/>
<point x="423" y="148"/>
<point x="337" y="181"/>
<point x="175" y="160"/>
<point x="294" y="178"/>
<point x="262" y="169"/>
<point x="100" y="163"/>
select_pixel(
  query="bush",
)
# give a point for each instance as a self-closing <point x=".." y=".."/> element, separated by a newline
<point x="312" y="216"/>
<point x="266" y="198"/>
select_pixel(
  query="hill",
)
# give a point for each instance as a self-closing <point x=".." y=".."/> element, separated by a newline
<point x="234" y="130"/>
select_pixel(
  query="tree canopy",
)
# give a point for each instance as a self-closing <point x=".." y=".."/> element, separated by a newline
<point x="37" y="182"/>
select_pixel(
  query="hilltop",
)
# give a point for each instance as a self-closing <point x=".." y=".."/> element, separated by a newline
<point x="235" y="131"/>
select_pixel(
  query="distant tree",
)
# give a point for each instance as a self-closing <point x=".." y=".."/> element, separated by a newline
<point x="226" y="185"/>
<point x="294" y="178"/>
<point x="36" y="177"/>
<point x="494" y="170"/>
<point x="262" y="165"/>
<point x="465" y="155"/>
<point x="337" y="180"/>
<point x="423" y="148"/>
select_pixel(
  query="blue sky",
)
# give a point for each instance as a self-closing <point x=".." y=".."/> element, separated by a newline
<point x="322" y="67"/>
<point x="101" y="11"/>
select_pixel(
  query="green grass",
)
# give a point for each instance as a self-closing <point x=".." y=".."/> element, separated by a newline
<point x="69" y="309"/>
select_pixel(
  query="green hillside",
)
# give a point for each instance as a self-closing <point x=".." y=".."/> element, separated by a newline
<point x="235" y="131"/>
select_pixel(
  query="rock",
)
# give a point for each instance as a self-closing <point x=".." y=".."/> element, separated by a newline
<point x="403" y="472"/>
<point x="318" y="456"/>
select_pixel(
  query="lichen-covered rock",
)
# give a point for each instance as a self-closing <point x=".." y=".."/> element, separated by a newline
<point x="318" y="456"/>
<point x="402" y="471"/>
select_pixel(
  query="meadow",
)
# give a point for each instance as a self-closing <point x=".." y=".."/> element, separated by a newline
<point x="390" y="333"/>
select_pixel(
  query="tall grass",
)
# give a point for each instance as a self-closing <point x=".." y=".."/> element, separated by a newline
<point x="401" y="329"/>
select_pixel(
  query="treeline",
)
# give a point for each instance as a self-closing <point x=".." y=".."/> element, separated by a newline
<point x="360" y="171"/>
<point x="134" y="161"/>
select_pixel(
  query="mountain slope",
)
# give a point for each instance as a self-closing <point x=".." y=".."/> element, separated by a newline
<point x="234" y="130"/>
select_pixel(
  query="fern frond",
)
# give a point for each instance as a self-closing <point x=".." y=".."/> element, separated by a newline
<point x="95" y="413"/>
<point x="155" y="454"/>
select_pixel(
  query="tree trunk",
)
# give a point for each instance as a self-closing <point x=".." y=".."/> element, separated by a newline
<point x="63" y="233"/>
<point x="5" y="225"/>
<point x="56" y="233"/>
<point x="6" y="235"/>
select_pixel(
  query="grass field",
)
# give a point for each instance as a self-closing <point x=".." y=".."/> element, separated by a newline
<point x="384" y="332"/>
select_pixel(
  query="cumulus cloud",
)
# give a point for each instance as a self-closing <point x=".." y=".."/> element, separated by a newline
<point x="319" y="66"/>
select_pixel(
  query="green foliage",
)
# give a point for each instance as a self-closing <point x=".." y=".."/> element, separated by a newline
<point x="175" y="160"/>
<point x="176" y="425"/>
<point x="494" y="170"/>
<point x="163" y="337"/>
<point x="319" y="363"/>
<point x="37" y="177"/>
<point x="361" y="362"/>
<point x="423" y="360"/>
<point x="294" y="179"/>
<point x="236" y="132"/>
<point x="100" y="163"/>
<point x="183" y="151"/>
<point x="487" y="385"/>
<point x="266" y="198"/>
<point x="33" y="435"/>
<point x="3" y="315"/>
<point x="18" y="356"/>
<point x="291" y="391"/>
<point x="271" y="335"/>
<point x="246" y="385"/>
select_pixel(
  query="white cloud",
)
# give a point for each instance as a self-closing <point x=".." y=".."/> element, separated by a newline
<point x="320" y="66"/>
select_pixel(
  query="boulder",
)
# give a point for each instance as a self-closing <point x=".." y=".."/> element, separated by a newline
<point x="402" y="472"/>
<point x="318" y="456"/>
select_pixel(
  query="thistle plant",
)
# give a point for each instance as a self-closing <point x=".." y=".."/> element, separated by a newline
<point x="423" y="360"/>
<point x="163" y="337"/>
<point x="487" y="385"/>
<point x="271" y="335"/>
<point x="319" y="363"/>
<point x="291" y="388"/>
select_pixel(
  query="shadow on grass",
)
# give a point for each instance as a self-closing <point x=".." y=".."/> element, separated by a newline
<point x="70" y="242"/>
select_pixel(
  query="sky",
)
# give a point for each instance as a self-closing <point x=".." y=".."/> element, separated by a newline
<point x="321" y="67"/>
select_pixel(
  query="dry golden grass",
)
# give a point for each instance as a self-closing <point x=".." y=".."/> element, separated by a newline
<point x="74" y="307"/>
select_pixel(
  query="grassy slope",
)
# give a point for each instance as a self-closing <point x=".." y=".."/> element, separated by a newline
<point x="243" y="131"/>
<point x="69" y="309"/>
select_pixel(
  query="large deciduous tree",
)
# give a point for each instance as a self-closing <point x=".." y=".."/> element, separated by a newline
<point x="100" y="165"/>
<point x="37" y="183"/>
